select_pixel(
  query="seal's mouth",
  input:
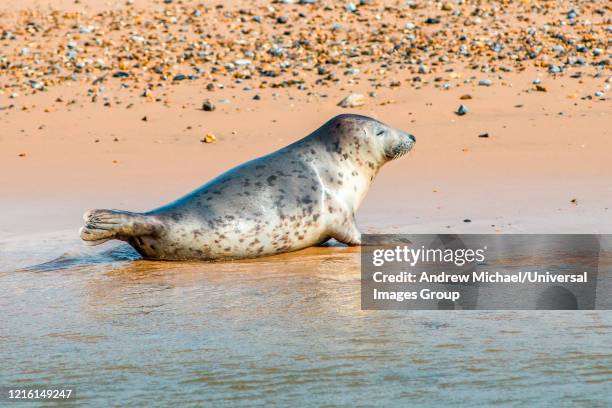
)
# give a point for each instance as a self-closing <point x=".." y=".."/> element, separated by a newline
<point x="402" y="148"/>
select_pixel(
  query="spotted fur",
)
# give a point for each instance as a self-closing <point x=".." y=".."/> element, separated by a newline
<point x="298" y="196"/>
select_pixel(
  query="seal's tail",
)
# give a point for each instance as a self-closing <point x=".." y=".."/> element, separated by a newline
<point x="103" y="225"/>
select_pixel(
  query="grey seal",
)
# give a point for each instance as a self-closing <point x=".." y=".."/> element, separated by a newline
<point x="299" y="196"/>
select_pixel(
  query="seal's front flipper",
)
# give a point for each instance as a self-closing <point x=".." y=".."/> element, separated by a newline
<point x="102" y="225"/>
<point x="347" y="233"/>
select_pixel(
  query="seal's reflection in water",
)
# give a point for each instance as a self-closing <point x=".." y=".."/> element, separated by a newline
<point x="311" y="280"/>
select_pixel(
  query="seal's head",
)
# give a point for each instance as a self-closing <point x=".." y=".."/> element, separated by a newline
<point x="371" y="138"/>
<point x="395" y="142"/>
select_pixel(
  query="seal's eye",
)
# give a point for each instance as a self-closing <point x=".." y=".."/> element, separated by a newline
<point x="380" y="132"/>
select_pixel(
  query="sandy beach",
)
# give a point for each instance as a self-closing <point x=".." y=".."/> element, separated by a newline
<point x="101" y="106"/>
<point x="63" y="152"/>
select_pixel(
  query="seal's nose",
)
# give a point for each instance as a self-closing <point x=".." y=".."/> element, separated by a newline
<point x="412" y="138"/>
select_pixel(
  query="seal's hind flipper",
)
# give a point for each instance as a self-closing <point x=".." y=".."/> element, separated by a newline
<point x="103" y="225"/>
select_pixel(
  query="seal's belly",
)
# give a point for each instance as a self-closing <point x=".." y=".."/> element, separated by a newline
<point x="233" y="236"/>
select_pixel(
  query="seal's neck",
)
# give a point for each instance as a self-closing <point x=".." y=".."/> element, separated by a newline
<point x="343" y="171"/>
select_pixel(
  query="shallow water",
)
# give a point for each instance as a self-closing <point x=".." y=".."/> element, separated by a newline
<point x="286" y="330"/>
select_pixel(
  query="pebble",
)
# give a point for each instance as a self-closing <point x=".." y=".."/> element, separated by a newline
<point x="462" y="110"/>
<point x="209" y="138"/>
<point x="484" y="135"/>
<point x="352" y="101"/>
<point x="242" y="62"/>
<point x="558" y="49"/>
<point x="208" y="106"/>
<point x="485" y="82"/>
<point x="276" y="51"/>
<point x="423" y="69"/>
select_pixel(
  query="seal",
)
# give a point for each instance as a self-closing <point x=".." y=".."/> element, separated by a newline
<point x="299" y="196"/>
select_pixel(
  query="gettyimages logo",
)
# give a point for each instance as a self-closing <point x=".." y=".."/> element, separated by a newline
<point x="486" y="272"/>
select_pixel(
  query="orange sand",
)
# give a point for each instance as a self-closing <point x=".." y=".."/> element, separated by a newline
<point x="538" y="157"/>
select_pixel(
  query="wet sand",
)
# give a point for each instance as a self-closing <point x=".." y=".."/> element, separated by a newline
<point x="283" y="329"/>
